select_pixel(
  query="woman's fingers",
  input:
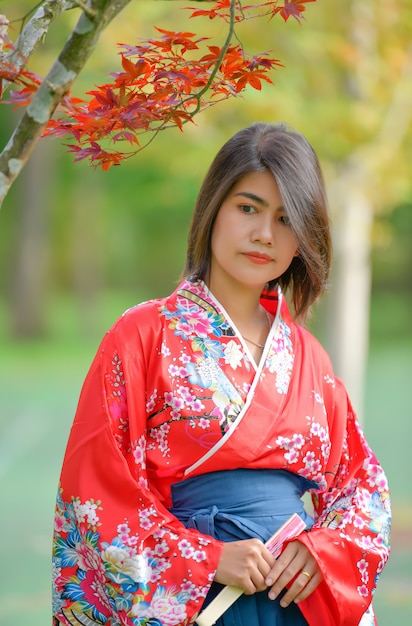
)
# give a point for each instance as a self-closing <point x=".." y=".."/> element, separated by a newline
<point x="249" y="565"/>
<point x="297" y="569"/>
<point x="301" y="588"/>
<point x="245" y="564"/>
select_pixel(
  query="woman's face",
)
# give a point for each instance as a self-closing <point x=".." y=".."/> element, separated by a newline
<point x="252" y="240"/>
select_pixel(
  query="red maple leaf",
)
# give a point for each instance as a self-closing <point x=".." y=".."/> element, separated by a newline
<point x="294" y="8"/>
<point x="165" y="81"/>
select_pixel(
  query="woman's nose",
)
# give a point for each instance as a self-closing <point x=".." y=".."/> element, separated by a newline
<point x="263" y="230"/>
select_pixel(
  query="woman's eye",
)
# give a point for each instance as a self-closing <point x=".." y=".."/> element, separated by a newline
<point x="246" y="208"/>
<point x="284" y="220"/>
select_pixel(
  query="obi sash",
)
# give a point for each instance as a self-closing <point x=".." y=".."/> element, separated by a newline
<point x="242" y="504"/>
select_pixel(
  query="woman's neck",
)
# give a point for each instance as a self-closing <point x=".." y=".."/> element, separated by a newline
<point x="244" y="308"/>
<point x="241" y="304"/>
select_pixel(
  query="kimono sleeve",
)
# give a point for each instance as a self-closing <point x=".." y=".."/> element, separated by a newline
<point x="119" y="556"/>
<point x="350" y="537"/>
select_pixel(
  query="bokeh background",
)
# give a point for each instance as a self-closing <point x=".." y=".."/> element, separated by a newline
<point x="78" y="247"/>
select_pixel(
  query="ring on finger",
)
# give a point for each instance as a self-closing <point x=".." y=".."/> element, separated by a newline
<point x="308" y="576"/>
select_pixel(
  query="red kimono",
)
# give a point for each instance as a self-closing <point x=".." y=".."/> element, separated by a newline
<point x="174" y="392"/>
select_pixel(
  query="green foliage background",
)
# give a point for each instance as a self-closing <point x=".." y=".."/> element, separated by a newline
<point x="109" y="240"/>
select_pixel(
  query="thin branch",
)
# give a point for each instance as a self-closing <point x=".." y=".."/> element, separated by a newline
<point x="206" y="88"/>
<point x="221" y="56"/>
<point x="26" y="15"/>
<point x="82" y="5"/>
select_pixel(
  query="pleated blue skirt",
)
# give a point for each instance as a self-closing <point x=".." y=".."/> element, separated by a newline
<point x="241" y="504"/>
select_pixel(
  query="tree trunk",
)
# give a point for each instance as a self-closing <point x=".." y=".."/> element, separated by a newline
<point x="348" y="304"/>
<point x="87" y="249"/>
<point x="29" y="286"/>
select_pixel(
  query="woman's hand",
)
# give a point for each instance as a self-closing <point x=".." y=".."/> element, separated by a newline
<point x="245" y="564"/>
<point x="296" y="564"/>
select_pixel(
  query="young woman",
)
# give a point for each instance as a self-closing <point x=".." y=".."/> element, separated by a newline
<point x="206" y="415"/>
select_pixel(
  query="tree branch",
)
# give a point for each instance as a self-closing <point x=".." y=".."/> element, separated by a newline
<point x="198" y="96"/>
<point x="55" y="86"/>
<point x="222" y="55"/>
<point x="35" y="30"/>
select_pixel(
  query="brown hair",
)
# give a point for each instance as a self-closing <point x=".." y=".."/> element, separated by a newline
<point x="295" y="167"/>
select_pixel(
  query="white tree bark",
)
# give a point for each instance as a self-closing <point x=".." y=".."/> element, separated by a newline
<point x="348" y="319"/>
<point x="349" y="301"/>
<point x="35" y="30"/>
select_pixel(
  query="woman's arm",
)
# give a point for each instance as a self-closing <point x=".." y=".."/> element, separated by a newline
<point x="350" y="537"/>
<point x="118" y="552"/>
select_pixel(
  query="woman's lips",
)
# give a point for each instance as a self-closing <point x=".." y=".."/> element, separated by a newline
<point x="259" y="259"/>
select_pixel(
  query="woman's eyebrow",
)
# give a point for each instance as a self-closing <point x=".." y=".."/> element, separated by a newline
<point x="257" y="199"/>
<point x="252" y="196"/>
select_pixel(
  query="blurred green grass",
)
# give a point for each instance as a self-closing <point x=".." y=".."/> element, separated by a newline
<point x="39" y="386"/>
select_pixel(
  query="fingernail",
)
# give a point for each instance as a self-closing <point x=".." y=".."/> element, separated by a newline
<point x="283" y="604"/>
<point x="269" y="582"/>
<point x="272" y="596"/>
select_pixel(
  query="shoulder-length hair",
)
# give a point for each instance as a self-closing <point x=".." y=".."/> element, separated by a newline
<point x="295" y="167"/>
